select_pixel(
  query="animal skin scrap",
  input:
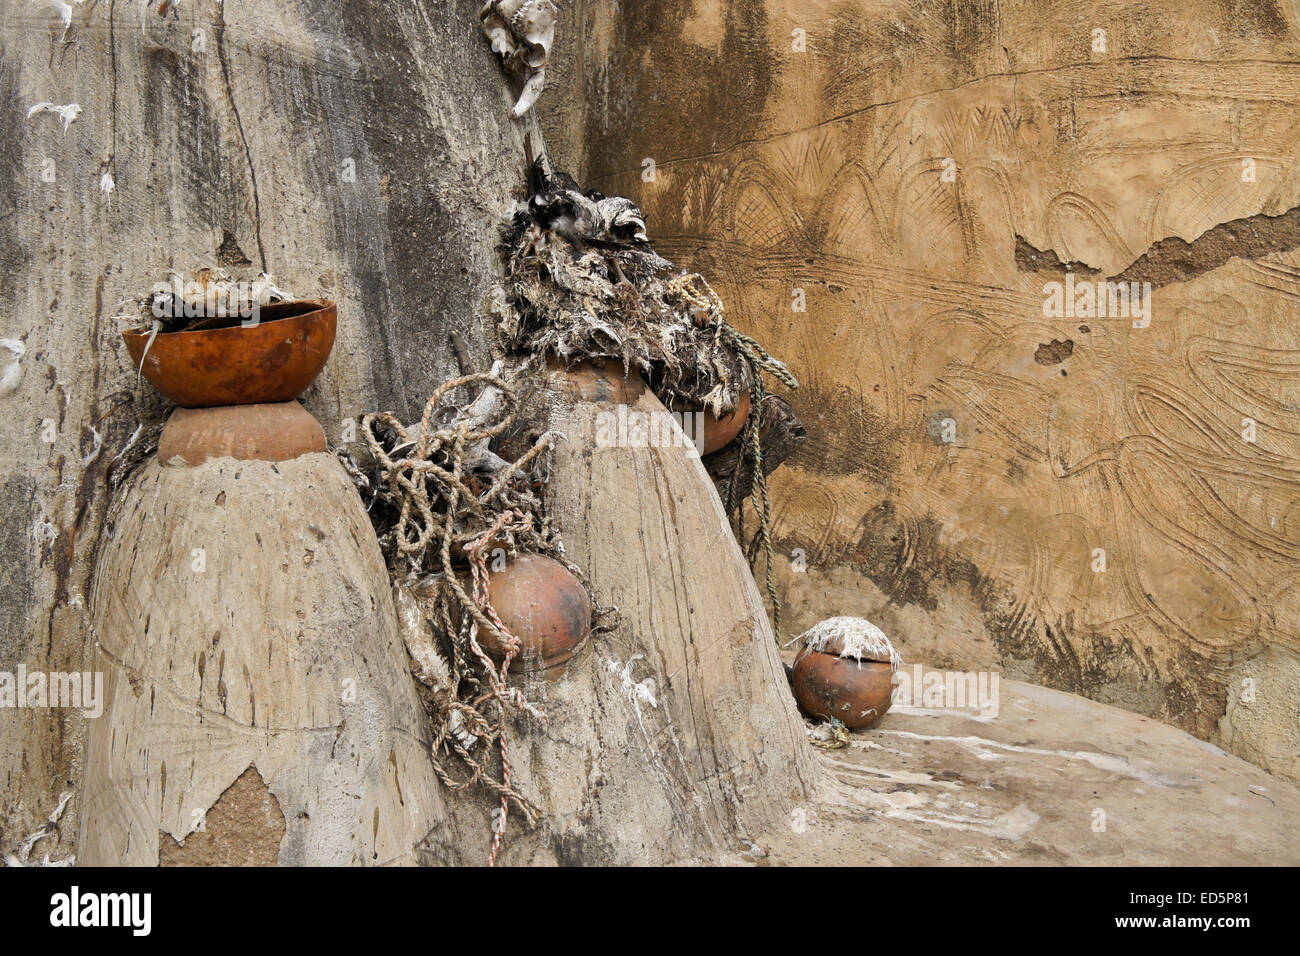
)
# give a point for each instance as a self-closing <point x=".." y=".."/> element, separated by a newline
<point x="522" y="32"/>
<point x="582" y="281"/>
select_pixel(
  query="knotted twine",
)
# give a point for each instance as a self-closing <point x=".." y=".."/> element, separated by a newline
<point x="429" y="486"/>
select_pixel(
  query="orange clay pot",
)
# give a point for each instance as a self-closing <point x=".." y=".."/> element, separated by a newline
<point x="857" y="693"/>
<point x="718" y="432"/>
<point x="545" y="606"/>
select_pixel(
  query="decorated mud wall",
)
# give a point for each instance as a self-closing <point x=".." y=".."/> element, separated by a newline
<point x="1035" y="267"/>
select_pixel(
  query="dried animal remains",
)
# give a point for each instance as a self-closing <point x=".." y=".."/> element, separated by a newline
<point x="583" y="282"/>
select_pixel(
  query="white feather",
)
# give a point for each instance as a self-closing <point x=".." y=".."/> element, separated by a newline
<point x="522" y="32"/>
<point x="68" y="112"/>
<point x="861" y="639"/>
<point x="12" y="376"/>
<point x="63" y="11"/>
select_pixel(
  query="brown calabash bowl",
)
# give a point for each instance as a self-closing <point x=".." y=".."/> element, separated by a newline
<point x="540" y="602"/>
<point x="857" y="693"/>
<point x="273" y="361"/>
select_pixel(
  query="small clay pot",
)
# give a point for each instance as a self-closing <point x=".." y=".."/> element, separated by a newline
<point x="857" y="693"/>
<point x="277" y="432"/>
<point x="271" y="362"/>
<point x="545" y="606"/>
<point x="718" y="432"/>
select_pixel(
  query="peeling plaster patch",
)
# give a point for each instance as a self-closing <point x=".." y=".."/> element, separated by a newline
<point x="1054" y="352"/>
<point x="1032" y="259"/>
<point x="243" y="828"/>
<point x="1252" y="237"/>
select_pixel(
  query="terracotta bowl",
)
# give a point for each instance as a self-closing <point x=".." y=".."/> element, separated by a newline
<point x="857" y="693"/>
<point x="605" y="381"/>
<point x="545" y="606"/>
<point x="277" y="432"/>
<point x="273" y="361"/>
<point x="596" y="380"/>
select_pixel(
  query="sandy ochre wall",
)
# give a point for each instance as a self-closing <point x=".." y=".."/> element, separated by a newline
<point x="1103" y="500"/>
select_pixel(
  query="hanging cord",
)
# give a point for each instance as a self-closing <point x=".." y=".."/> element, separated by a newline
<point x="759" y="362"/>
<point x="695" y="290"/>
<point x="498" y="679"/>
<point x="434" y="497"/>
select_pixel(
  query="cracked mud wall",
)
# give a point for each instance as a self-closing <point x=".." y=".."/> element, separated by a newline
<point x="917" y="175"/>
<point x="357" y="150"/>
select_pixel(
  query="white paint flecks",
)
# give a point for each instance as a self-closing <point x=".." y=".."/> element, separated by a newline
<point x="97" y="443"/>
<point x="45" y="532"/>
<point x="637" y="692"/>
<point x="985" y="749"/>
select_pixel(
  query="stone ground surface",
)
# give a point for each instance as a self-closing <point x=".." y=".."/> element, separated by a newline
<point x="1024" y="787"/>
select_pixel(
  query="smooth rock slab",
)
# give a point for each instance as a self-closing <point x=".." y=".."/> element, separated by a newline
<point x="1025" y="787"/>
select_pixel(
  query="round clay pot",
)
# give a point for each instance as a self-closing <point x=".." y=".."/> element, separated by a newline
<point x="718" y="432"/>
<point x="545" y="606"/>
<point x="596" y="380"/>
<point x="265" y="432"/>
<point x="272" y="361"/>
<point x="857" y="693"/>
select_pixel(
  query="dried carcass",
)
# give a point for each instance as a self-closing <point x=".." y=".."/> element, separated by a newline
<point x="522" y="32"/>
